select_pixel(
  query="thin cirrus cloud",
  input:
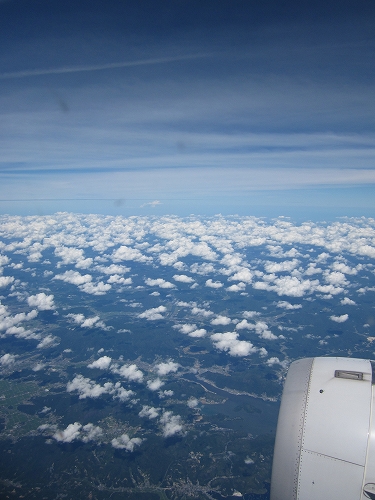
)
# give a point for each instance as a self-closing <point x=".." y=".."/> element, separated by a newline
<point x="97" y="67"/>
<point x="289" y="108"/>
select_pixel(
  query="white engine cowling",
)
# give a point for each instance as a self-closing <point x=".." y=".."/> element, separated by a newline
<point x="325" y="439"/>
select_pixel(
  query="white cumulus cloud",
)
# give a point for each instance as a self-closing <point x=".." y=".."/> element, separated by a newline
<point x="159" y="282"/>
<point x="221" y="320"/>
<point x="41" y="301"/>
<point x="213" y="284"/>
<point x="119" y="280"/>
<point x="199" y="332"/>
<point x="155" y="385"/>
<point x="7" y="359"/>
<point x="5" y="281"/>
<point x="128" y="253"/>
<point x="201" y="312"/>
<point x="101" y="363"/>
<point x="71" y="433"/>
<point x="73" y="277"/>
<point x="99" y="288"/>
<point x="149" y="412"/>
<point x="339" y="319"/>
<point x="124" y="442"/>
<point x="153" y="313"/>
<point x="183" y="278"/>
<point x="275" y="361"/>
<point x="185" y="328"/>
<point x="83" y="322"/>
<point x="278" y="267"/>
<point x="70" y="255"/>
<point x="192" y="402"/>
<point x="78" y="432"/>
<point x="171" y="424"/>
<point x="48" y="341"/>
<point x="347" y="302"/>
<point x="130" y="372"/>
<point x="122" y="394"/>
<point x="244" y="275"/>
<point x="229" y="342"/>
<point x="165" y="368"/>
<point x="239" y="287"/>
<point x="87" y="388"/>
<point x="287" y="305"/>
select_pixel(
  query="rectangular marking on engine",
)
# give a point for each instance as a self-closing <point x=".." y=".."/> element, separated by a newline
<point x="349" y="374"/>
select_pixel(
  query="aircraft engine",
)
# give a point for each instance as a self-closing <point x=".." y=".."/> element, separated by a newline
<point x="325" y="439"/>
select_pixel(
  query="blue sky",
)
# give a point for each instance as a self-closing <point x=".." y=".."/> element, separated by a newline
<point x="187" y="107"/>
